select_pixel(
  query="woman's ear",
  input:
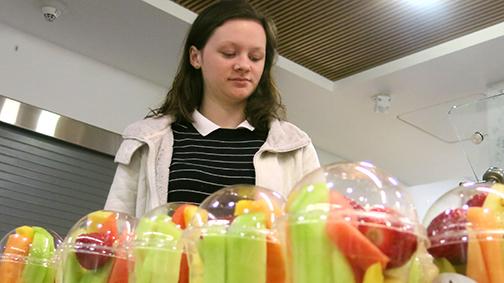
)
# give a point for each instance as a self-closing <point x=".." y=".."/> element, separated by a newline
<point x="195" y="57"/>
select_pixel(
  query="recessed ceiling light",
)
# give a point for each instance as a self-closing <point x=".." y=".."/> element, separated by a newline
<point x="423" y="3"/>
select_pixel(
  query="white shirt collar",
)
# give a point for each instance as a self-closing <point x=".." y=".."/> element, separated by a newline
<point x="205" y="126"/>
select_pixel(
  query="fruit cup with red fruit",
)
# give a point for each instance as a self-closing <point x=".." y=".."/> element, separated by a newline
<point x="465" y="227"/>
<point x="350" y="222"/>
<point x="236" y="243"/>
<point x="158" y="249"/>
<point x="27" y="255"/>
<point x="96" y="249"/>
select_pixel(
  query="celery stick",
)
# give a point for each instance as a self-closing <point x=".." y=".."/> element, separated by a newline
<point x="41" y="252"/>
<point x="311" y="258"/>
<point x="72" y="271"/>
<point x="308" y="195"/>
<point x="166" y="257"/>
<point x="144" y="234"/>
<point x="342" y="271"/>
<point x="212" y="249"/>
<point x="246" y="249"/>
<point x="97" y="276"/>
<point x="311" y="250"/>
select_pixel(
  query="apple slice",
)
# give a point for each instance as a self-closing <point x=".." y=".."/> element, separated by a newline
<point x="398" y="246"/>
<point x="452" y="221"/>
<point x="93" y="250"/>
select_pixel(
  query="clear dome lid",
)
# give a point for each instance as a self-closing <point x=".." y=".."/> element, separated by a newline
<point x="355" y="189"/>
<point x="28" y="245"/>
<point x="471" y="211"/>
<point x="258" y="207"/>
<point x="363" y="212"/>
<point x="95" y="240"/>
<point x="230" y="238"/>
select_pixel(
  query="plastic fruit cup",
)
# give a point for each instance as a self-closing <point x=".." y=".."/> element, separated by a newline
<point x="230" y="239"/>
<point x="350" y="222"/>
<point x="157" y="248"/>
<point x="96" y="249"/>
<point x="27" y="255"/>
<point x="465" y="227"/>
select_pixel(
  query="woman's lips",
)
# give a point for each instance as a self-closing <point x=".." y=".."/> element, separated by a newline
<point x="240" y="82"/>
<point x="240" y="79"/>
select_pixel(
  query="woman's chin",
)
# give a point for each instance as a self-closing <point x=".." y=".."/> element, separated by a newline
<point x="240" y="95"/>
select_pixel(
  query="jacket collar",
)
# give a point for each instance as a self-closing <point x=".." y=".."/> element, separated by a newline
<point x="282" y="137"/>
<point x="148" y="128"/>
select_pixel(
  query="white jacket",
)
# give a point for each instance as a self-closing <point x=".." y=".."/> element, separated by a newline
<point x="144" y="157"/>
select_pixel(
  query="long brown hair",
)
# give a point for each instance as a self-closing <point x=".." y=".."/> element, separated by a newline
<point x="186" y="92"/>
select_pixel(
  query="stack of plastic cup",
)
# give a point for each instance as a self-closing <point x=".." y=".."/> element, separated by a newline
<point x="350" y="222"/>
<point x="96" y="249"/>
<point x="157" y="248"/>
<point x="230" y="239"/>
<point x="466" y="229"/>
<point x="27" y="255"/>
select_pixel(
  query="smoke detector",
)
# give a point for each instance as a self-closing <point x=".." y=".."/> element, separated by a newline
<point x="52" y="9"/>
<point x="382" y="103"/>
<point x="50" y="13"/>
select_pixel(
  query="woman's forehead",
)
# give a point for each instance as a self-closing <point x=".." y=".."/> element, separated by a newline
<point x="240" y="32"/>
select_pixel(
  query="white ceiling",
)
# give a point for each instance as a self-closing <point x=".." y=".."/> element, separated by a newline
<point x="136" y="37"/>
<point x="127" y="34"/>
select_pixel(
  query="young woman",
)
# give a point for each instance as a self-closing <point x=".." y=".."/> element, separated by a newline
<point x="221" y="123"/>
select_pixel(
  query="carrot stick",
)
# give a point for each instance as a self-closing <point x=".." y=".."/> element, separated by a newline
<point x="11" y="267"/>
<point x="184" y="269"/>
<point x="119" y="273"/>
<point x="275" y="264"/>
<point x="485" y="219"/>
<point x="475" y="262"/>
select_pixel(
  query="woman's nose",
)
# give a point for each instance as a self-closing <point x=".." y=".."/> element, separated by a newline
<point x="242" y="65"/>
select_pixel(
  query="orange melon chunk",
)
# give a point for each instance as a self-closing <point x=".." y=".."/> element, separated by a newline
<point x="484" y="219"/>
<point x="356" y="247"/>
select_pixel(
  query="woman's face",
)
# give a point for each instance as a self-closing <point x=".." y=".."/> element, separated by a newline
<point x="232" y="61"/>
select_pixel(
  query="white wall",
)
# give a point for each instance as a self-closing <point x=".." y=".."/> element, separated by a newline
<point x="50" y="77"/>
<point x="326" y="157"/>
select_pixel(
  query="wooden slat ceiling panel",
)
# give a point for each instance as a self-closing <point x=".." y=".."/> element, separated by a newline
<point x="337" y="39"/>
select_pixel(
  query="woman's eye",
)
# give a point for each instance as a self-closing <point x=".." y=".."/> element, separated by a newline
<point x="228" y="54"/>
<point x="255" y="58"/>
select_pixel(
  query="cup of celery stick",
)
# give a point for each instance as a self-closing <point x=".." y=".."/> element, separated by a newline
<point x="234" y="241"/>
<point x="27" y="255"/>
<point x="157" y="251"/>
<point x="352" y="223"/>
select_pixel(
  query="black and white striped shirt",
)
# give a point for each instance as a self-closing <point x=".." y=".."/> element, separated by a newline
<point x="202" y="165"/>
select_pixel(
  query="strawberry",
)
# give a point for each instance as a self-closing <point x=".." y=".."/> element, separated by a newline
<point x="93" y="250"/>
<point x="397" y="245"/>
<point x="451" y="221"/>
<point x="355" y="205"/>
<point x="178" y="216"/>
<point x="477" y="200"/>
